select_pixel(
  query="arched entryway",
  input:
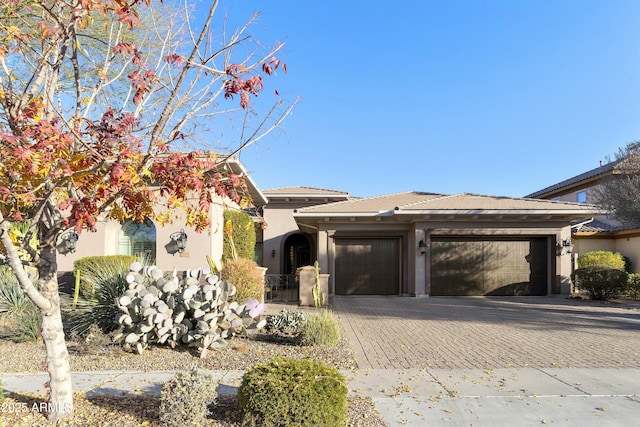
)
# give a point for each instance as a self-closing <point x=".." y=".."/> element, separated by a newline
<point x="297" y="252"/>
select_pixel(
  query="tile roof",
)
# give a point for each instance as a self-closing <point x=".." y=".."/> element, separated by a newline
<point x="605" y="224"/>
<point x="410" y="202"/>
<point x="370" y="204"/>
<point x="466" y="201"/>
<point x="589" y="175"/>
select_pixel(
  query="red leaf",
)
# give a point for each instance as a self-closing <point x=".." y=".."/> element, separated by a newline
<point x="175" y="60"/>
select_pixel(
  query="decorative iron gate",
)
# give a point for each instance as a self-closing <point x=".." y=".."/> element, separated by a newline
<point x="281" y="287"/>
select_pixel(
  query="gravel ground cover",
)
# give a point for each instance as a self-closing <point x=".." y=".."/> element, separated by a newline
<point x="136" y="410"/>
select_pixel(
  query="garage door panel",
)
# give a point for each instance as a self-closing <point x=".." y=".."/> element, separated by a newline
<point x="468" y="266"/>
<point x="367" y="266"/>
<point x="455" y="263"/>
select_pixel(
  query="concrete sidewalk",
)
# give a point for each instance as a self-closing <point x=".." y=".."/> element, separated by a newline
<point x="435" y="397"/>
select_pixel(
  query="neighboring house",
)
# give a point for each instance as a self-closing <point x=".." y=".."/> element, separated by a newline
<point x="601" y="232"/>
<point x="419" y="244"/>
<point x="130" y="238"/>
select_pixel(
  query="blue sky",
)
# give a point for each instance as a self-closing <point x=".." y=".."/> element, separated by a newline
<point x="490" y="97"/>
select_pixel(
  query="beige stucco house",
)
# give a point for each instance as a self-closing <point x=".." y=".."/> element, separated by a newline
<point x="419" y="244"/>
<point x="285" y="246"/>
<point x="412" y="243"/>
<point x="603" y="232"/>
<point x="113" y="238"/>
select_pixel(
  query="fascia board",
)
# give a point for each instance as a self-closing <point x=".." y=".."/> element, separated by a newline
<point x="341" y="214"/>
<point x="553" y="212"/>
<point x="307" y="196"/>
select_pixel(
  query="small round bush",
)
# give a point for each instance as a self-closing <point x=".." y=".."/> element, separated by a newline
<point x="293" y="393"/>
<point x="320" y="329"/>
<point x="633" y="285"/>
<point x="184" y="400"/>
<point x="247" y="277"/>
<point x="601" y="283"/>
<point x="602" y="258"/>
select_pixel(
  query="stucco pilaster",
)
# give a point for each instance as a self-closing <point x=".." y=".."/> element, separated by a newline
<point x="564" y="264"/>
<point x="418" y="284"/>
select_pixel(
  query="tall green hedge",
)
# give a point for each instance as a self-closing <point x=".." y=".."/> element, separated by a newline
<point x="243" y="236"/>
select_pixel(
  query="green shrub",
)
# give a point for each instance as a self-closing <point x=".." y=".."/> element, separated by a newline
<point x="320" y="329"/>
<point x="96" y="270"/>
<point x="247" y="277"/>
<point x="13" y="300"/>
<point x="240" y="240"/>
<point x="184" y="400"/>
<point x="286" y="320"/>
<point x="633" y="285"/>
<point x="293" y="393"/>
<point x="602" y="259"/>
<point x="2" y="392"/>
<point x="600" y="283"/>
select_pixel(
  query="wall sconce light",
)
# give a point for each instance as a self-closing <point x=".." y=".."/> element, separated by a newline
<point x="180" y="237"/>
<point x="273" y="253"/>
<point x="566" y="245"/>
<point x="422" y="247"/>
<point x="70" y="241"/>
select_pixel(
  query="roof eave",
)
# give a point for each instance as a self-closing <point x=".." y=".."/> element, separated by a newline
<point x="257" y="196"/>
<point x="553" y="212"/>
<point x="341" y="214"/>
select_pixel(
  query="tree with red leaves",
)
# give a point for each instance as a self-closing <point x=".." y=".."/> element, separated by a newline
<point x="100" y="102"/>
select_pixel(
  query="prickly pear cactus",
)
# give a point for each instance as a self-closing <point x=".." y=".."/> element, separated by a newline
<point x="193" y="310"/>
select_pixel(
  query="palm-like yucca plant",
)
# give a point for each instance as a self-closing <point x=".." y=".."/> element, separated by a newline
<point x="99" y="308"/>
<point x="93" y="271"/>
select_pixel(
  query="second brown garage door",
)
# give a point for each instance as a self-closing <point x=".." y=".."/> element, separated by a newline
<point x="367" y="266"/>
<point x="469" y="266"/>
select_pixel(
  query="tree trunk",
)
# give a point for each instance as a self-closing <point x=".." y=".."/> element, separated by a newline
<point x="60" y="404"/>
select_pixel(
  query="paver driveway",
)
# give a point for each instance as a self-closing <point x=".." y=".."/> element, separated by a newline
<point x="478" y="332"/>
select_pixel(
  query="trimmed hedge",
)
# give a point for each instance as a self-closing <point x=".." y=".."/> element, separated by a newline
<point x="601" y="283"/>
<point x="602" y="258"/>
<point x="243" y="236"/>
<point x="633" y="285"/>
<point x="293" y="393"/>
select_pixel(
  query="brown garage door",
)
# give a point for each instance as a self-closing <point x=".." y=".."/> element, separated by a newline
<point x="367" y="266"/>
<point x="468" y="266"/>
